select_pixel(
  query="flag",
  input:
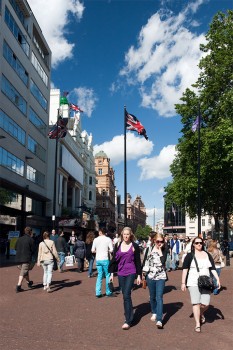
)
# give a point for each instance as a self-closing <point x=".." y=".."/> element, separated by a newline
<point x="195" y="124"/>
<point x="133" y="124"/>
<point x="75" y="108"/>
<point x="59" y="130"/>
<point x="173" y="211"/>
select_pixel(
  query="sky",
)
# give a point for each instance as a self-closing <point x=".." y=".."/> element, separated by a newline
<point x="141" y="54"/>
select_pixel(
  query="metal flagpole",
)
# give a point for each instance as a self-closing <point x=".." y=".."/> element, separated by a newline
<point x="55" y="178"/>
<point x="199" y="171"/>
<point x="125" y="171"/>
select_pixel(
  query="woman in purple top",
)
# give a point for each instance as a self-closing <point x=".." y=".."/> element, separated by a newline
<point x="126" y="262"/>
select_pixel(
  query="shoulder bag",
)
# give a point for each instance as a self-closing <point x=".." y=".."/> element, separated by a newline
<point x="205" y="283"/>
<point x="55" y="267"/>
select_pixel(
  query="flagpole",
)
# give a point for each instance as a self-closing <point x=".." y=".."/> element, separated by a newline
<point x="55" y="177"/>
<point x="199" y="171"/>
<point x="125" y="171"/>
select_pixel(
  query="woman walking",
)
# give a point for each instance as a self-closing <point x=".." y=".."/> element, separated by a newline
<point x="126" y="262"/>
<point x="89" y="255"/>
<point x="80" y="252"/>
<point x="154" y="271"/>
<point x="200" y="299"/>
<point x="218" y="261"/>
<point x="46" y="252"/>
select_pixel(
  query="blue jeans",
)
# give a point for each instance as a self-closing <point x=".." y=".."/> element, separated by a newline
<point x="216" y="290"/>
<point x="175" y="259"/>
<point x="71" y="249"/>
<point x="90" y="268"/>
<point x="102" y="269"/>
<point x="156" y="288"/>
<point x="48" y="271"/>
<point x="62" y="259"/>
<point x="126" y="284"/>
<point x="168" y="262"/>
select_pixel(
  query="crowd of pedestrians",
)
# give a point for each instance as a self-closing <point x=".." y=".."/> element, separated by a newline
<point x="121" y="256"/>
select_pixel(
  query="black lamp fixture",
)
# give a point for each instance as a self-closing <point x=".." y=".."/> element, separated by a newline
<point x="27" y="158"/>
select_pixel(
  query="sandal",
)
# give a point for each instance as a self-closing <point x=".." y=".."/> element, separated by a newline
<point x="202" y="319"/>
<point x="197" y="329"/>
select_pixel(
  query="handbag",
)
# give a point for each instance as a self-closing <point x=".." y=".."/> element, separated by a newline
<point x="222" y="262"/>
<point x="69" y="260"/>
<point x="144" y="284"/>
<point x="205" y="283"/>
<point x="55" y="267"/>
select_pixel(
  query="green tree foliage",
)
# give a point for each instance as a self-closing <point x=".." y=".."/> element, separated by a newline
<point x="142" y="232"/>
<point x="5" y="196"/>
<point x="214" y="92"/>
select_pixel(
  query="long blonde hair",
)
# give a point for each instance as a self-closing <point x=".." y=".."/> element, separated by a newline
<point x="132" y="237"/>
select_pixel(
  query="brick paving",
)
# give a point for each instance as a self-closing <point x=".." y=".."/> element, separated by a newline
<point x="72" y="318"/>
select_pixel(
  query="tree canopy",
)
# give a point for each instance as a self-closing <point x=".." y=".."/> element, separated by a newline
<point x="213" y="92"/>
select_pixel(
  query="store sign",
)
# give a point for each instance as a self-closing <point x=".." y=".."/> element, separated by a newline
<point x="7" y="220"/>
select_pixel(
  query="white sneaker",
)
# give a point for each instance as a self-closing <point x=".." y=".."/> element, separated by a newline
<point x="159" y="324"/>
<point x="153" y="317"/>
<point x="45" y="287"/>
<point x="48" y="289"/>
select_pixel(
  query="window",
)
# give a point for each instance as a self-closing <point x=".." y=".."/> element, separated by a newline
<point x="38" y="95"/>
<point x="15" y="63"/>
<point x="36" y="148"/>
<point x="90" y="196"/>
<point x="39" y="69"/>
<point x="99" y="161"/>
<point x="37" y="121"/>
<point x="203" y="222"/>
<point x="12" y="25"/>
<point x="18" y="11"/>
<point x="99" y="171"/>
<point x="103" y="205"/>
<point x="209" y="221"/>
<point x="90" y="180"/>
<point x="11" y="162"/>
<point x="40" y="46"/>
<point x="103" y="192"/>
<point x="192" y="221"/>
<point x="13" y="95"/>
<point x="13" y="129"/>
<point x="35" y="176"/>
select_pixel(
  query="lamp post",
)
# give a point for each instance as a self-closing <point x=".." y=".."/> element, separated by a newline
<point x="55" y="176"/>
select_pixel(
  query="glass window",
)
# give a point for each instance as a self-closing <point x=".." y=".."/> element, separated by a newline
<point x="35" y="176"/>
<point x="40" y="46"/>
<point x="11" y="162"/>
<point x="203" y="222"/>
<point x="18" y="11"/>
<point x="38" y="95"/>
<point x="15" y="97"/>
<point x="12" y="128"/>
<point x="15" y="63"/>
<point x="90" y="180"/>
<point x="99" y="171"/>
<point x="37" y="121"/>
<point x="36" y="148"/>
<point x="12" y="25"/>
<point x="90" y="196"/>
<point x="39" y="69"/>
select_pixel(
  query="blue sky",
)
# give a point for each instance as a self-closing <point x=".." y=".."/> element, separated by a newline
<point x="142" y="54"/>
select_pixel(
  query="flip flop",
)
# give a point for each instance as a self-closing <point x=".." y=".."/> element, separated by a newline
<point x="197" y="329"/>
<point x="202" y="319"/>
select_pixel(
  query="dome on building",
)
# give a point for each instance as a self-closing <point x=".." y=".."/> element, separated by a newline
<point x="101" y="154"/>
<point x="63" y="101"/>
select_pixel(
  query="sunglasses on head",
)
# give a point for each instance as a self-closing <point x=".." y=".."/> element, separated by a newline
<point x="159" y="242"/>
<point x="198" y="243"/>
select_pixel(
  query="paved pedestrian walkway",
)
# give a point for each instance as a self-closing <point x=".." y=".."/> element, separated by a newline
<point x="71" y="318"/>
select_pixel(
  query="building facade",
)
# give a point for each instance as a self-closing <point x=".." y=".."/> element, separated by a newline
<point x="105" y="192"/>
<point x="136" y="212"/>
<point x="25" y="68"/>
<point x="174" y="220"/>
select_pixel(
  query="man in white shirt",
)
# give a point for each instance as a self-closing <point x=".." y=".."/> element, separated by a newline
<point x="102" y="246"/>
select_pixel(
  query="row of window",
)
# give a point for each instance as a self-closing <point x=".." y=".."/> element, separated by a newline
<point x="39" y="69"/>
<point x="18" y="11"/>
<point x="16" y="165"/>
<point x="12" y="128"/>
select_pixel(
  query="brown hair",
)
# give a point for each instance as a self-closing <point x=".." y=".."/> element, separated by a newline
<point x="46" y="235"/>
<point x="28" y="230"/>
<point x="156" y="236"/>
<point x="90" y="237"/>
<point x="212" y="246"/>
<point x="194" y="240"/>
<point x="132" y="237"/>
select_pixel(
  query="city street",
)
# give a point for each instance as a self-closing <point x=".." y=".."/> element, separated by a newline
<point x="70" y="317"/>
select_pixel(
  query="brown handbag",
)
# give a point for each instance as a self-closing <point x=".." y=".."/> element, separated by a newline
<point x="144" y="284"/>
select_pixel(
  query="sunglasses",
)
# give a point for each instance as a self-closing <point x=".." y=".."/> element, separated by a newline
<point x="198" y="243"/>
<point x="159" y="242"/>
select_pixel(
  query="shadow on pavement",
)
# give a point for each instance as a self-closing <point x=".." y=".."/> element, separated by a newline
<point x="213" y="314"/>
<point x="170" y="309"/>
<point x="168" y="289"/>
<point x="141" y="310"/>
<point x="57" y="285"/>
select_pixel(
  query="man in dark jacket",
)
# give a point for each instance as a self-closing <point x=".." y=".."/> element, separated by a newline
<point x="62" y="250"/>
<point x="25" y="248"/>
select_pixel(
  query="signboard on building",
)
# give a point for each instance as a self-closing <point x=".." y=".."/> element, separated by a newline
<point x="12" y="237"/>
<point x="7" y="220"/>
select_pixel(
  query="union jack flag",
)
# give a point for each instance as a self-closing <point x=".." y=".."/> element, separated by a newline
<point x="59" y="130"/>
<point x="75" y="107"/>
<point x="133" y="124"/>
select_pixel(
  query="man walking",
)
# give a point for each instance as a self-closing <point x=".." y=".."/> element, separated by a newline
<point x="102" y="246"/>
<point x="62" y="250"/>
<point x="25" y="248"/>
<point x="53" y="236"/>
<point x="175" y="249"/>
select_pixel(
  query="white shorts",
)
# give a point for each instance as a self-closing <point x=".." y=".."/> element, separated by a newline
<point x="197" y="297"/>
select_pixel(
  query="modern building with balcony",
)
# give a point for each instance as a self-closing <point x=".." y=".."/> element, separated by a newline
<point x="25" y="67"/>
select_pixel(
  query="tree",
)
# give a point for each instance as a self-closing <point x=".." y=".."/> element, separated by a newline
<point x="214" y="92"/>
<point x="143" y="233"/>
<point x="5" y="196"/>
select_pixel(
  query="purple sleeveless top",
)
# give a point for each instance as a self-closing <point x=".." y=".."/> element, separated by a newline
<point x="126" y="265"/>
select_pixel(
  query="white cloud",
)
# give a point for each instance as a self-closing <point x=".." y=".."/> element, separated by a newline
<point x="164" y="63"/>
<point x="86" y="99"/>
<point x="161" y="190"/>
<point x="53" y="17"/>
<point x="137" y="147"/>
<point x="158" y="166"/>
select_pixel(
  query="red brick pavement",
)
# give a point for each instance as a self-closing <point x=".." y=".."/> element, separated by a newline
<point x="72" y="318"/>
